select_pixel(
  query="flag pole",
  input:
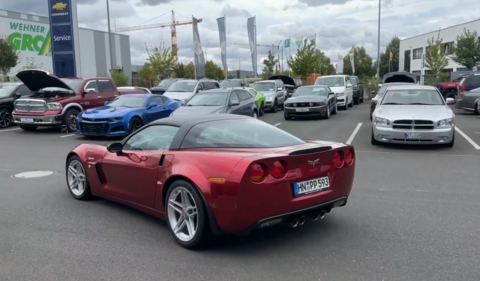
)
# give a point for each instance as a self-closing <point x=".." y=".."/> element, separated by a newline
<point x="194" y="63"/>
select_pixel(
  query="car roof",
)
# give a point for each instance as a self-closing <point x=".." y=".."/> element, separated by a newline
<point x="311" y="86"/>
<point x="338" y="75"/>
<point x="179" y="120"/>
<point x="266" y="81"/>
<point x="216" y="90"/>
<point x="11" y="83"/>
<point x="140" y="95"/>
<point x="187" y="80"/>
<point x="412" y="87"/>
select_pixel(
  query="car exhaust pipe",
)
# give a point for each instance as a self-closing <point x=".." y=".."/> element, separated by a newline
<point x="319" y="216"/>
<point x="302" y="220"/>
<point x="295" y="222"/>
<point x="322" y="214"/>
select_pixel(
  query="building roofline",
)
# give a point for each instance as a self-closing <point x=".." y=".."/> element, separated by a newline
<point x="441" y="29"/>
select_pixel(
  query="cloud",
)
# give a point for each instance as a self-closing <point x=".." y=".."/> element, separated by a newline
<point x="338" y="24"/>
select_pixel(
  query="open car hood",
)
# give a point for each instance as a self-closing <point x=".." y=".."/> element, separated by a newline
<point x="285" y="79"/>
<point x="35" y="80"/>
<point x="399" y="76"/>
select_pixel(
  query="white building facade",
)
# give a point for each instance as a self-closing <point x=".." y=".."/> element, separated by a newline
<point x="30" y="36"/>
<point x="417" y="46"/>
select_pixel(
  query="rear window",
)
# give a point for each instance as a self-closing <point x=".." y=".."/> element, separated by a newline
<point x="244" y="133"/>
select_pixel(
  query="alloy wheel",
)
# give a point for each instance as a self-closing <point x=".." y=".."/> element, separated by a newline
<point x="182" y="214"/>
<point x="136" y="124"/>
<point x="76" y="178"/>
<point x="72" y="121"/>
<point x="5" y="119"/>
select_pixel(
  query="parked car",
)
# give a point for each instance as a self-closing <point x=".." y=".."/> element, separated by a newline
<point x="9" y="92"/>
<point x="215" y="175"/>
<point x="183" y="90"/>
<point x="56" y="102"/>
<point x="233" y="83"/>
<point x="163" y="86"/>
<point x="260" y="100"/>
<point x="141" y="90"/>
<point x="317" y="100"/>
<point x="124" y="115"/>
<point x="220" y="101"/>
<point x="413" y="114"/>
<point x="274" y="92"/>
<point x="468" y="94"/>
<point x="399" y="76"/>
<point x="341" y="86"/>
<point x="291" y="84"/>
<point x="450" y="89"/>
<point x="357" y="89"/>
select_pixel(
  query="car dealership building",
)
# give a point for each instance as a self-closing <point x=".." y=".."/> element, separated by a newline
<point x="412" y="50"/>
<point x="30" y="35"/>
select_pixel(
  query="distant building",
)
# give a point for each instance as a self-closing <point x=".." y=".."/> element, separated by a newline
<point x="240" y="73"/>
<point x="417" y="45"/>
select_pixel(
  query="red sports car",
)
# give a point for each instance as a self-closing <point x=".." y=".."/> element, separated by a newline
<point x="215" y="174"/>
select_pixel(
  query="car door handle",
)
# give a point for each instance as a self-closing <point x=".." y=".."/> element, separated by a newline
<point x="99" y="97"/>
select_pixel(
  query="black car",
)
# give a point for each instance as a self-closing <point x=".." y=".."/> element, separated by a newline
<point x="233" y="83"/>
<point x="357" y="89"/>
<point x="163" y="85"/>
<point x="316" y="100"/>
<point x="220" y="101"/>
<point x="9" y="92"/>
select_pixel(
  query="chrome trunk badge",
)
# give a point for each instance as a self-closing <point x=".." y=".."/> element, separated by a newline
<point x="313" y="162"/>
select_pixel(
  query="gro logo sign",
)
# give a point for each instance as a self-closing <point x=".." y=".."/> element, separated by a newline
<point x="30" y="38"/>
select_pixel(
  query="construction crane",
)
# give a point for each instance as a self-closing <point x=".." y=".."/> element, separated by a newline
<point x="258" y="45"/>
<point x="173" y="24"/>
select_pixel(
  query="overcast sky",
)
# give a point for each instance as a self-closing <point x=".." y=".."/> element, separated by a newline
<point x="339" y="24"/>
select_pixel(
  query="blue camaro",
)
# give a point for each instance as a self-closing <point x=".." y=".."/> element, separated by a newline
<point x="124" y="115"/>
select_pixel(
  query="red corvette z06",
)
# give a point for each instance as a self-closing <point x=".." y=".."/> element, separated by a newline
<point x="215" y="174"/>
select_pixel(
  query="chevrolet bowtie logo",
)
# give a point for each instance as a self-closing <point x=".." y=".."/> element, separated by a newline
<point x="313" y="162"/>
<point x="59" y="6"/>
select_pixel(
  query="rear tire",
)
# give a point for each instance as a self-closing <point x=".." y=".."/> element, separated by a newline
<point x="255" y="114"/>
<point x="476" y="110"/>
<point x="262" y="109"/>
<point x="356" y="100"/>
<point x="202" y="234"/>
<point x="350" y="104"/>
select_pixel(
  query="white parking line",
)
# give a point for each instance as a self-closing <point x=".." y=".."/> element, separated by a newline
<point x="354" y="133"/>
<point x="9" y="130"/>
<point x="66" y="136"/>
<point x="277" y="124"/>
<point x="474" y="144"/>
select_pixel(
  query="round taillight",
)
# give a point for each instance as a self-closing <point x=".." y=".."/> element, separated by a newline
<point x="277" y="170"/>
<point x="349" y="157"/>
<point x="338" y="160"/>
<point x="257" y="172"/>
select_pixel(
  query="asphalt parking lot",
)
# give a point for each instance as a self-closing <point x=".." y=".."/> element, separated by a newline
<point x="413" y="215"/>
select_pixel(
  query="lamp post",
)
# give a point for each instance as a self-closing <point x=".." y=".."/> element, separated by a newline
<point x="109" y="37"/>
<point x="378" y="43"/>
<point x="206" y="56"/>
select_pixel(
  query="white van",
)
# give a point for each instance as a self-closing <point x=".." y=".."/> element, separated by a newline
<point x="341" y="85"/>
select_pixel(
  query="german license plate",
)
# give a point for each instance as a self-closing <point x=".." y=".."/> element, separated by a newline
<point x="27" y="120"/>
<point x="412" y="136"/>
<point x="311" y="186"/>
<point x="302" y="109"/>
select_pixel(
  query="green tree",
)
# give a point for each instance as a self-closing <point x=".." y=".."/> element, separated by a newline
<point x="393" y="47"/>
<point x="213" y="71"/>
<point x="304" y="62"/>
<point x="467" y="49"/>
<point x="269" y="65"/>
<point x="146" y="76"/>
<point x="119" y="77"/>
<point x="162" y="60"/>
<point x="363" y="63"/>
<point x="323" y="64"/>
<point x="9" y="57"/>
<point x="435" y="58"/>
<point x="182" y="70"/>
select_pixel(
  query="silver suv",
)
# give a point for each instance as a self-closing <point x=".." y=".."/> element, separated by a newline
<point x="274" y="92"/>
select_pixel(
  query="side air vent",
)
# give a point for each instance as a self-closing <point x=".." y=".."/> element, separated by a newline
<point x="311" y="150"/>
<point x="100" y="175"/>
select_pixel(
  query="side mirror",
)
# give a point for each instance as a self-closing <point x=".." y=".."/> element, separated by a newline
<point x="153" y="104"/>
<point x="105" y="104"/>
<point x="331" y="94"/>
<point x="115" y="147"/>
<point x="90" y="91"/>
<point x="233" y="103"/>
<point x="349" y="85"/>
<point x="279" y="88"/>
<point x="16" y="96"/>
<point x="450" y="101"/>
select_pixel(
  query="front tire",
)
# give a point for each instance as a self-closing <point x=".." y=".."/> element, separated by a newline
<point x="274" y="107"/>
<point x="70" y="120"/>
<point x="335" y="109"/>
<point x="262" y="109"/>
<point x="77" y="180"/>
<point x="350" y="104"/>
<point x="328" y="112"/>
<point x="134" y="124"/>
<point x="186" y="215"/>
<point x="255" y="114"/>
<point x="5" y="118"/>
